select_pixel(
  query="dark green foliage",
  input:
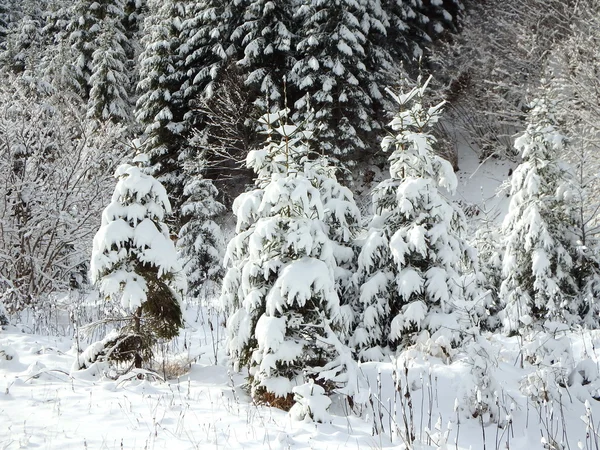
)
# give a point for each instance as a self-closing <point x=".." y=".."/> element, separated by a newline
<point x="161" y="312"/>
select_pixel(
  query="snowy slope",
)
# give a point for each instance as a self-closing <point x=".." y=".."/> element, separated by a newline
<point x="479" y="183"/>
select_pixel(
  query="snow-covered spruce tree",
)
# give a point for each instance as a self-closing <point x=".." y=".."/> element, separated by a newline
<point x="267" y="38"/>
<point x="438" y="16"/>
<point x="343" y="220"/>
<point x="109" y="98"/>
<point x="135" y="266"/>
<point x="539" y="228"/>
<point x="279" y="292"/>
<point x="414" y="25"/>
<point x="5" y="13"/>
<point x="23" y="43"/>
<point x="340" y="65"/>
<point x="489" y="244"/>
<point x="404" y="38"/>
<point x="414" y="255"/>
<point x="585" y="203"/>
<point x="207" y="49"/>
<point x="201" y="241"/>
<point x="90" y="19"/>
<point x="160" y="107"/>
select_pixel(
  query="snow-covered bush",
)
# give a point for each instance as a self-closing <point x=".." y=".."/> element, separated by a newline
<point x="311" y="403"/>
<point x="413" y="258"/>
<point x="55" y="169"/>
<point x="279" y="292"/>
<point x="135" y="265"/>
<point x="3" y="315"/>
<point x="538" y="230"/>
<point x="558" y="372"/>
<point x="479" y="396"/>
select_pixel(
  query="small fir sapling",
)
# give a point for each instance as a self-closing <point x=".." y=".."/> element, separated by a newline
<point x="3" y="315"/>
<point x="135" y="266"/>
<point x="490" y="250"/>
<point x="479" y="394"/>
<point x="201" y="241"/>
<point x="279" y="292"/>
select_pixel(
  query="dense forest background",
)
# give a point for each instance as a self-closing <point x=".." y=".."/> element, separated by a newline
<point x="282" y="110"/>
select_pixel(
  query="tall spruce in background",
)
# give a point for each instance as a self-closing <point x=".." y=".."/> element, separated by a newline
<point x="160" y="108"/>
<point x="415" y="24"/>
<point x="403" y="38"/>
<point x="23" y="45"/>
<point x="109" y="98"/>
<point x="90" y="20"/>
<point x="4" y="20"/>
<point x="340" y="67"/>
<point x="266" y="38"/>
<point x="207" y="45"/>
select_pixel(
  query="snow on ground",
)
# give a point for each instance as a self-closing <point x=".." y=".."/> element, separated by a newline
<point x="479" y="182"/>
<point x="44" y="405"/>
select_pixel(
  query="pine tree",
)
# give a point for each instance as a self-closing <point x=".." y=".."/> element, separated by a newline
<point x="342" y="68"/>
<point x="538" y="229"/>
<point x="109" y="98"/>
<point x="435" y="16"/>
<point x="24" y="40"/>
<point x="5" y="19"/>
<point x="279" y="292"/>
<point x="90" y="20"/>
<point x="160" y="108"/>
<point x="414" y="255"/>
<point x="404" y="38"/>
<point x="206" y="45"/>
<point x="267" y="40"/>
<point x="201" y="241"/>
<point x="135" y="266"/>
<point x="415" y="24"/>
